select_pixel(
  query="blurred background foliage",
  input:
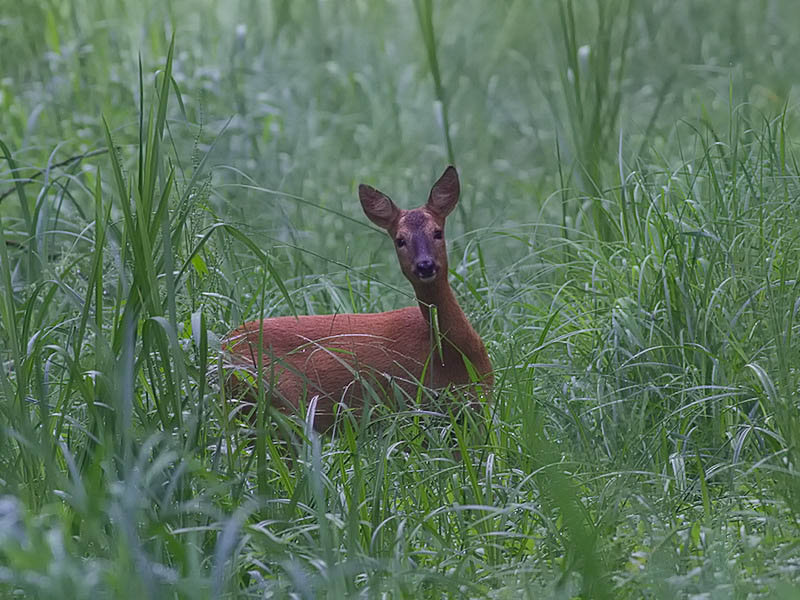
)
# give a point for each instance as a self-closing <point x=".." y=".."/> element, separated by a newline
<point x="322" y="95"/>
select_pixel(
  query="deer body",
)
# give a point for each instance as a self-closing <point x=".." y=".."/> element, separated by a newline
<point x="336" y="357"/>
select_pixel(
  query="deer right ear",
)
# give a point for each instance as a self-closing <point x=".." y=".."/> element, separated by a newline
<point x="444" y="193"/>
<point x="377" y="206"/>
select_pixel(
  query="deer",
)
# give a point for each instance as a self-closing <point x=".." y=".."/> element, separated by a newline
<point x="342" y="358"/>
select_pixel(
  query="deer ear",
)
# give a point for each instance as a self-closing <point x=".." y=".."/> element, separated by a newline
<point x="377" y="206"/>
<point x="444" y="193"/>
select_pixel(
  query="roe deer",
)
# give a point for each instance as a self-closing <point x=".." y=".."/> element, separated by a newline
<point x="334" y="357"/>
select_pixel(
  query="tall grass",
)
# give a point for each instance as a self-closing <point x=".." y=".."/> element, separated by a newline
<point x="643" y="432"/>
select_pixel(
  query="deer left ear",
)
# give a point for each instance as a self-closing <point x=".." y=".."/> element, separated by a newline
<point x="377" y="206"/>
<point x="444" y="193"/>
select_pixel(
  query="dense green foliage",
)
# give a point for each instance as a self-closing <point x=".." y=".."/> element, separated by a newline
<point x="626" y="243"/>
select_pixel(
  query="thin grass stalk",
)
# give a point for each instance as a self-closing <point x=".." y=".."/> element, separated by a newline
<point x="424" y="10"/>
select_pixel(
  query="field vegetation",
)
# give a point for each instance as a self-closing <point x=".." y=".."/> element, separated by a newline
<point x="627" y="244"/>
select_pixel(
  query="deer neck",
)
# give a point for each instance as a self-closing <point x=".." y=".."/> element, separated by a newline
<point x="452" y="322"/>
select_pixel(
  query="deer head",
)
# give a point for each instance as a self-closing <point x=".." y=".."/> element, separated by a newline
<point x="418" y="234"/>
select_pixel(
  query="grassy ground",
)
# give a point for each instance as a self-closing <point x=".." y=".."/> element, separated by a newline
<point x="627" y="244"/>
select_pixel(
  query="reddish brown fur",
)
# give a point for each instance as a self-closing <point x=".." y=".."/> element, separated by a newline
<point x="335" y="357"/>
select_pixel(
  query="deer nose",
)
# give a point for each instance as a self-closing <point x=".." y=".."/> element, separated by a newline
<point x="426" y="268"/>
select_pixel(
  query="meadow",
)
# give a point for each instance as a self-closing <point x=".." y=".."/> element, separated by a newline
<point x="627" y="244"/>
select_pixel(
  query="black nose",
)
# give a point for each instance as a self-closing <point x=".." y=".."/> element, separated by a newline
<point x="425" y="268"/>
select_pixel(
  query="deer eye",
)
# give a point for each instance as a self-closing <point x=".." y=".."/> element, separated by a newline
<point x="400" y="242"/>
<point x="437" y="235"/>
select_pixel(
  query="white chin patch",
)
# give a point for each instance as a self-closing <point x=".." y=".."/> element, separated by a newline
<point x="427" y="279"/>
